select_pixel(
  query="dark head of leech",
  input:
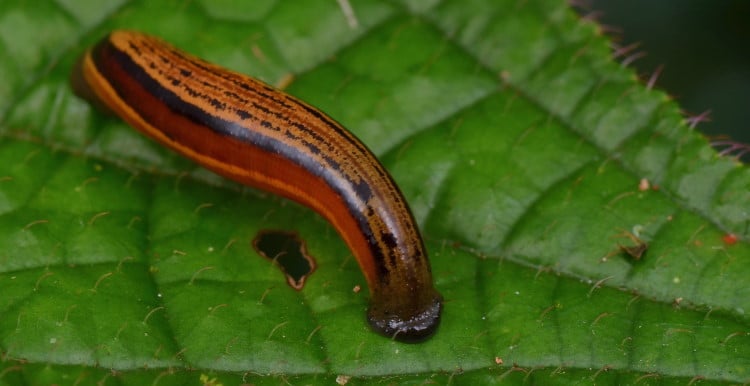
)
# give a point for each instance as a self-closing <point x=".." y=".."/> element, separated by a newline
<point x="412" y="328"/>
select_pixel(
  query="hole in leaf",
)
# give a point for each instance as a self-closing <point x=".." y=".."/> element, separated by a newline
<point x="636" y="250"/>
<point x="288" y="252"/>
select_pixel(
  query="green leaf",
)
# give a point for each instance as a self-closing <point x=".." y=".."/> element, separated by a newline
<point x="521" y="145"/>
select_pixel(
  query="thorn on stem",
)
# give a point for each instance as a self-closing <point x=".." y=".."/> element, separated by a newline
<point x="654" y="77"/>
<point x="693" y="121"/>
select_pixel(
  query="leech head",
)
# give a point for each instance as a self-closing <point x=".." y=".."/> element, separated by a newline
<point x="409" y="328"/>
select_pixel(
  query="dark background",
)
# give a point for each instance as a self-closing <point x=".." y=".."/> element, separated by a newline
<point x="703" y="46"/>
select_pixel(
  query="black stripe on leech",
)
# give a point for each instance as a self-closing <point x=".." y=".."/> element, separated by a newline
<point x="241" y="113"/>
<point x="252" y="89"/>
<point x="338" y="182"/>
<point x="136" y="48"/>
<point x="206" y="67"/>
<point x="363" y="190"/>
<point x="330" y="123"/>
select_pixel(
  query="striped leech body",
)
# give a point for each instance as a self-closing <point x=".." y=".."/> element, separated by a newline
<point x="250" y="132"/>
